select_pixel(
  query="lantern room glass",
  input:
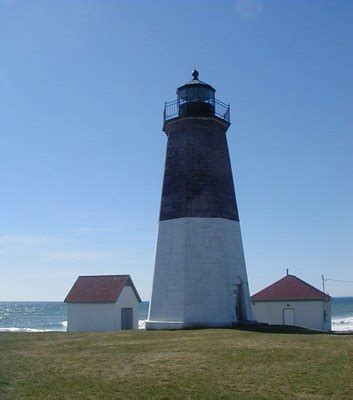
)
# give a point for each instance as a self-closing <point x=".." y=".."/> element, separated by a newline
<point x="196" y="93"/>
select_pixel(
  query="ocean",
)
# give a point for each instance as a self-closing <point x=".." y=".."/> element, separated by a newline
<point x="43" y="316"/>
<point x="342" y="314"/>
<point x="51" y="316"/>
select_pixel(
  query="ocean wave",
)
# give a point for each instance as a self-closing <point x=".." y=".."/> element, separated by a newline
<point x="61" y="327"/>
<point x="141" y="325"/>
<point x="14" y="329"/>
<point x="342" y="324"/>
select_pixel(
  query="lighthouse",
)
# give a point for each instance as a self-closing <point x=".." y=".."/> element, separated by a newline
<point x="200" y="277"/>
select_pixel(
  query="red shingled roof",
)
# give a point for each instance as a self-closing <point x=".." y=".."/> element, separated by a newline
<point x="99" y="288"/>
<point x="290" y="288"/>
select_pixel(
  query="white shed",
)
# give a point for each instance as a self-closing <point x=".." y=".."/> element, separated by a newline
<point x="102" y="303"/>
<point x="291" y="301"/>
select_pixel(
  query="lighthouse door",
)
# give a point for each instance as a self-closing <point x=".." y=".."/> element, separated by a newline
<point x="238" y="302"/>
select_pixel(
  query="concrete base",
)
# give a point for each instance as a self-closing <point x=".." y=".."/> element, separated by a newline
<point x="167" y="325"/>
<point x="174" y="325"/>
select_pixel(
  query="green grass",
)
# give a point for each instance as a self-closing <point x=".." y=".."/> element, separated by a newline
<point x="193" y="364"/>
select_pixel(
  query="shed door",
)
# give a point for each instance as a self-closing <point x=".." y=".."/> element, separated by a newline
<point x="126" y="318"/>
<point x="288" y="316"/>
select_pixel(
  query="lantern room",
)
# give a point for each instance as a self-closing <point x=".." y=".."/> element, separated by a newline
<point x="196" y="99"/>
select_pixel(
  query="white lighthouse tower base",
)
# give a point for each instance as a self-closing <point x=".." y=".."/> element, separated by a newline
<point x="200" y="275"/>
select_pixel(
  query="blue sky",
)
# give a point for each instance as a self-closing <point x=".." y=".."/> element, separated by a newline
<point x="83" y="85"/>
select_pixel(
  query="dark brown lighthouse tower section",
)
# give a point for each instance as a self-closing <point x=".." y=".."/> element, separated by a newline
<point x="198" y="179"/>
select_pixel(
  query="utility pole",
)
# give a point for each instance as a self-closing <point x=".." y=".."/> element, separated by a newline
<point x="323" y="283"/>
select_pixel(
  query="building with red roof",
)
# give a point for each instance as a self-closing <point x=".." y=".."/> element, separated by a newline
<point x="291" y="301"/>
<point x="102" y="303"/>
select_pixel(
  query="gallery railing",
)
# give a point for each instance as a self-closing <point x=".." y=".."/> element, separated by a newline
<point x="196" y="107"/>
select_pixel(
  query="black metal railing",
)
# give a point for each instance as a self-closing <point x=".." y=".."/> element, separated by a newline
<point x="195" y="107"/>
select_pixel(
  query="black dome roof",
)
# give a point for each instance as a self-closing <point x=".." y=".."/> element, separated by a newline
<point x="196" y="82"/>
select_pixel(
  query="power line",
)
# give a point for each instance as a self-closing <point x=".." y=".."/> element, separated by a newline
<point x="324" y="280"/>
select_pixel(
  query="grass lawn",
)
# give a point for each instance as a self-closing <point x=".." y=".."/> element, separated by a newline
<point x="194" y="364"/>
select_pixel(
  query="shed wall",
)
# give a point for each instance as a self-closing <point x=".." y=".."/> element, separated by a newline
<point x="308" y="314"/>
<point x="101" y="317"/>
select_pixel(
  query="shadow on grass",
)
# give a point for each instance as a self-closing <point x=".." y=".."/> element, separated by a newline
<point x="259" y="327"/>
<point x="266" y="328"/>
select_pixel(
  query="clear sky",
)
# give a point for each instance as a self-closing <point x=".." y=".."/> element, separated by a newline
<point x="83" y="84"/>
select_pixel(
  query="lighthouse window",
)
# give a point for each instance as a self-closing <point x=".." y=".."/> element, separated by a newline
<point x="182" y="94"/>
<point x="192" y="93"/>
<point x="206" y="94"/>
